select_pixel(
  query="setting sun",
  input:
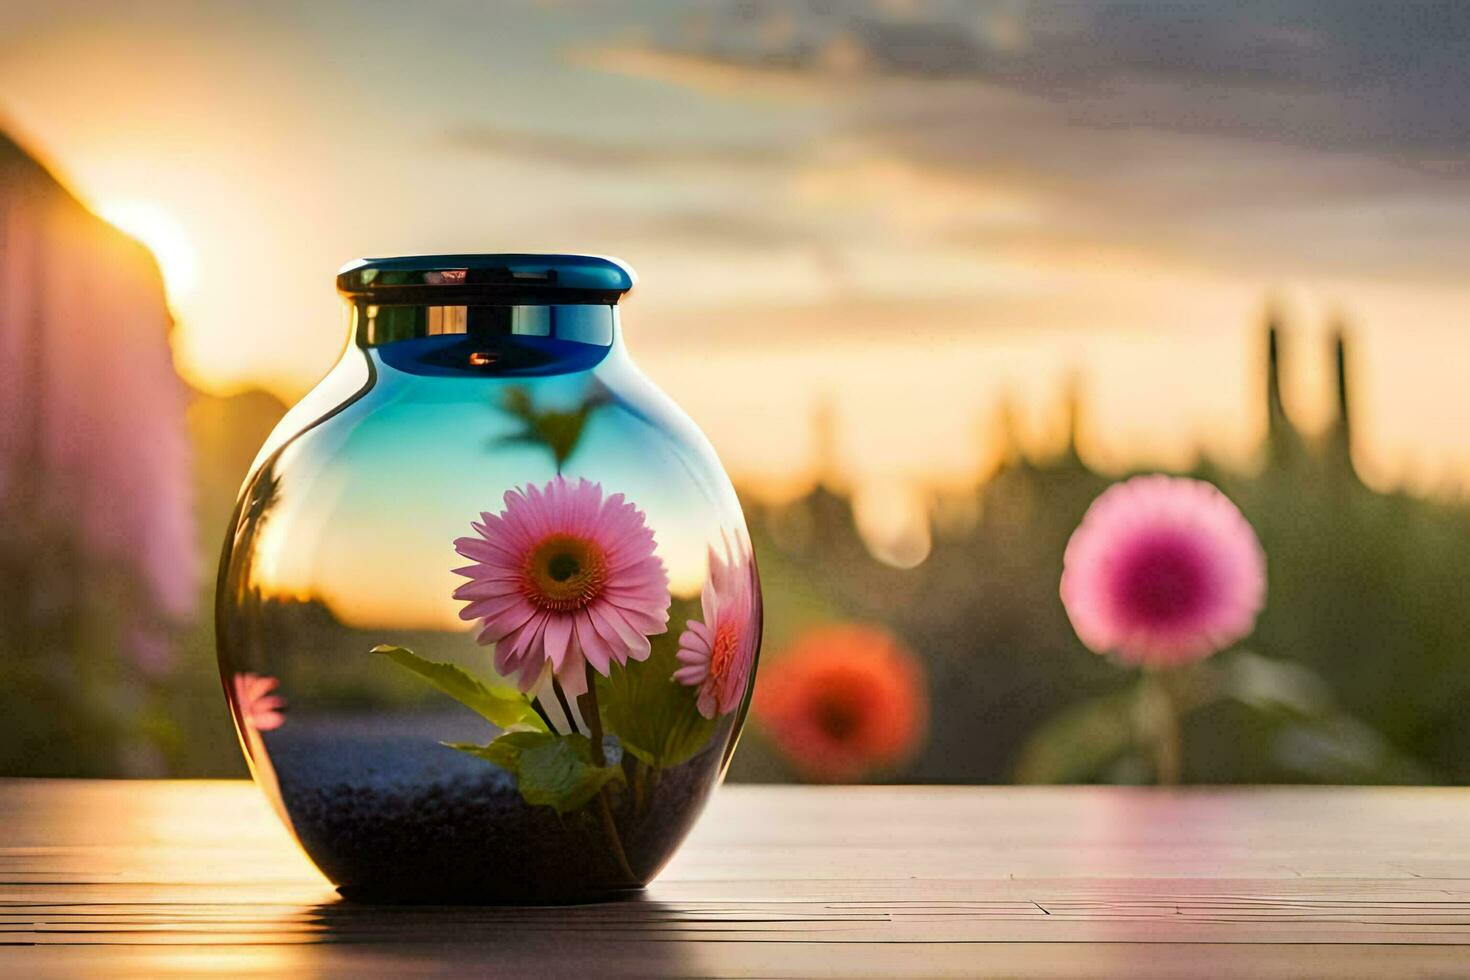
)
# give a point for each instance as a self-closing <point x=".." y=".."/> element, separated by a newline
<point x="165" y="238"/>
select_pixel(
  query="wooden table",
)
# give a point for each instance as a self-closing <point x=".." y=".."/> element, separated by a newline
<point x="187" y="878"/>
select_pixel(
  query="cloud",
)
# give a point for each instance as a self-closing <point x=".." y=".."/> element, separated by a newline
<point x="605" y="155"/>
<point x="1272" y="141"/>
<point x="1340" y="74"/>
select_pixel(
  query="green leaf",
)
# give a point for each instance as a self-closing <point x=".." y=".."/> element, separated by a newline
<point x="560" y="774"/>
<point x="551" y="770"/>
<point x="505" y="751"/>
<point x="653" y="715"/>
<point x="1081" y="742"/>
<point x="502" y="706"/>
<point x="1268" y="684"/>
<point x="558" y="431"/>
<point x="1314" y="737"/>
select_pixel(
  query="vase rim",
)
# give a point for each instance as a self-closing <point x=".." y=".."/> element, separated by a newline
<point x="526" y="278"/>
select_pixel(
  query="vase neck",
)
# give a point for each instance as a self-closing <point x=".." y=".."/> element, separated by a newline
<point x="484" y="340"/>
<point x="502" y="314"/>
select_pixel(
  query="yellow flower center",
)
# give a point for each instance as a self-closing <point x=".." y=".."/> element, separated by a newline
<point x="564" y="573"/>
<point x="722" y="656"/>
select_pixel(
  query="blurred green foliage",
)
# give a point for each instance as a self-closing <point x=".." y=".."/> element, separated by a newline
<point x="1357" y="672"/>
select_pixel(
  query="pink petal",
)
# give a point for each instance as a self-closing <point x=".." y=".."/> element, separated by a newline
<point x="507" y="623"/>
<point x="597" y="651"/>
<point x="692" y="674"/>
<point x="631" y="638"/>
<point x="573" y="676"/>
<point x="493" y="607"/>
<point x="706" y="702"/>
<point x="558" y="638"/>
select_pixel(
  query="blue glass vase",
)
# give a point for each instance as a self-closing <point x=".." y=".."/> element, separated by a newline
<point x="488" y="617"/>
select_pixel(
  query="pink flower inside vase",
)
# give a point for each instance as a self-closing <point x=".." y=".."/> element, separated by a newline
<point x="562" y="578"/>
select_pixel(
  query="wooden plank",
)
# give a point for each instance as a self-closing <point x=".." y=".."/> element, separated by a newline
<point x="743" y="959"/>
<point x="164" y="879"/>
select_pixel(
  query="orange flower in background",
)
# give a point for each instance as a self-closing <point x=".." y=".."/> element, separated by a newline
<point x="844" y="702"/>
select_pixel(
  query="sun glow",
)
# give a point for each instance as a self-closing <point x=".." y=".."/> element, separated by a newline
<point x="165" y="238"/>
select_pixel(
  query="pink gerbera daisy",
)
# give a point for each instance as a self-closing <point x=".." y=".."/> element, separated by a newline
<point x="1161" y="571"/>
<point x="718" y="653"/>
<point x="563" y="577"/>
<point x="260" y="708"/>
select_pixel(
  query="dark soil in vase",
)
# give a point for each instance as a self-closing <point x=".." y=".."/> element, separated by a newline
<point x="461" y="833"/>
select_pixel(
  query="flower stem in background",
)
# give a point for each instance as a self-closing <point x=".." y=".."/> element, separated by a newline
<point x="1159" y="710"/>
<point x="593" y="718"/>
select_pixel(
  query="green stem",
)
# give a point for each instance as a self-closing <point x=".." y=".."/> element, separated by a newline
<point x="1161" y="714"/>
<point x="633" y="775"/>
<point x="593" y="717"/>
<point x="545" y="718"/>
<point x="611" y="829"/>
<point x="566" y="709"/>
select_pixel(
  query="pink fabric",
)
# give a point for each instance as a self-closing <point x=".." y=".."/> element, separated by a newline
<point x="1161" y="571"/>
<point x="625" y="598"/>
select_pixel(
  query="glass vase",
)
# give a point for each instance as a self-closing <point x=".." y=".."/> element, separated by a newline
<point x="487" y="617"/>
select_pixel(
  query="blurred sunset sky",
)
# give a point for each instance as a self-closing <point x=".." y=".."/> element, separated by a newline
<point x="909" y="212"/>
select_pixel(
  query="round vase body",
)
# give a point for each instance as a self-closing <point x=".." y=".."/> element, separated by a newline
<point x="487" y="615"/>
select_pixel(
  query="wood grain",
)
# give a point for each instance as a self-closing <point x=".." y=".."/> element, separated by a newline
<point x="191" y="878"/>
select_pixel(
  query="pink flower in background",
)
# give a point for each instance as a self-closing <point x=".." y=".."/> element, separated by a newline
<point x="1162" y="571"/>
<point x="260" y="708"/>
<point x="562" y="577"/>
<point x="150" y="648"/>
<point x="718" y="653"/>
